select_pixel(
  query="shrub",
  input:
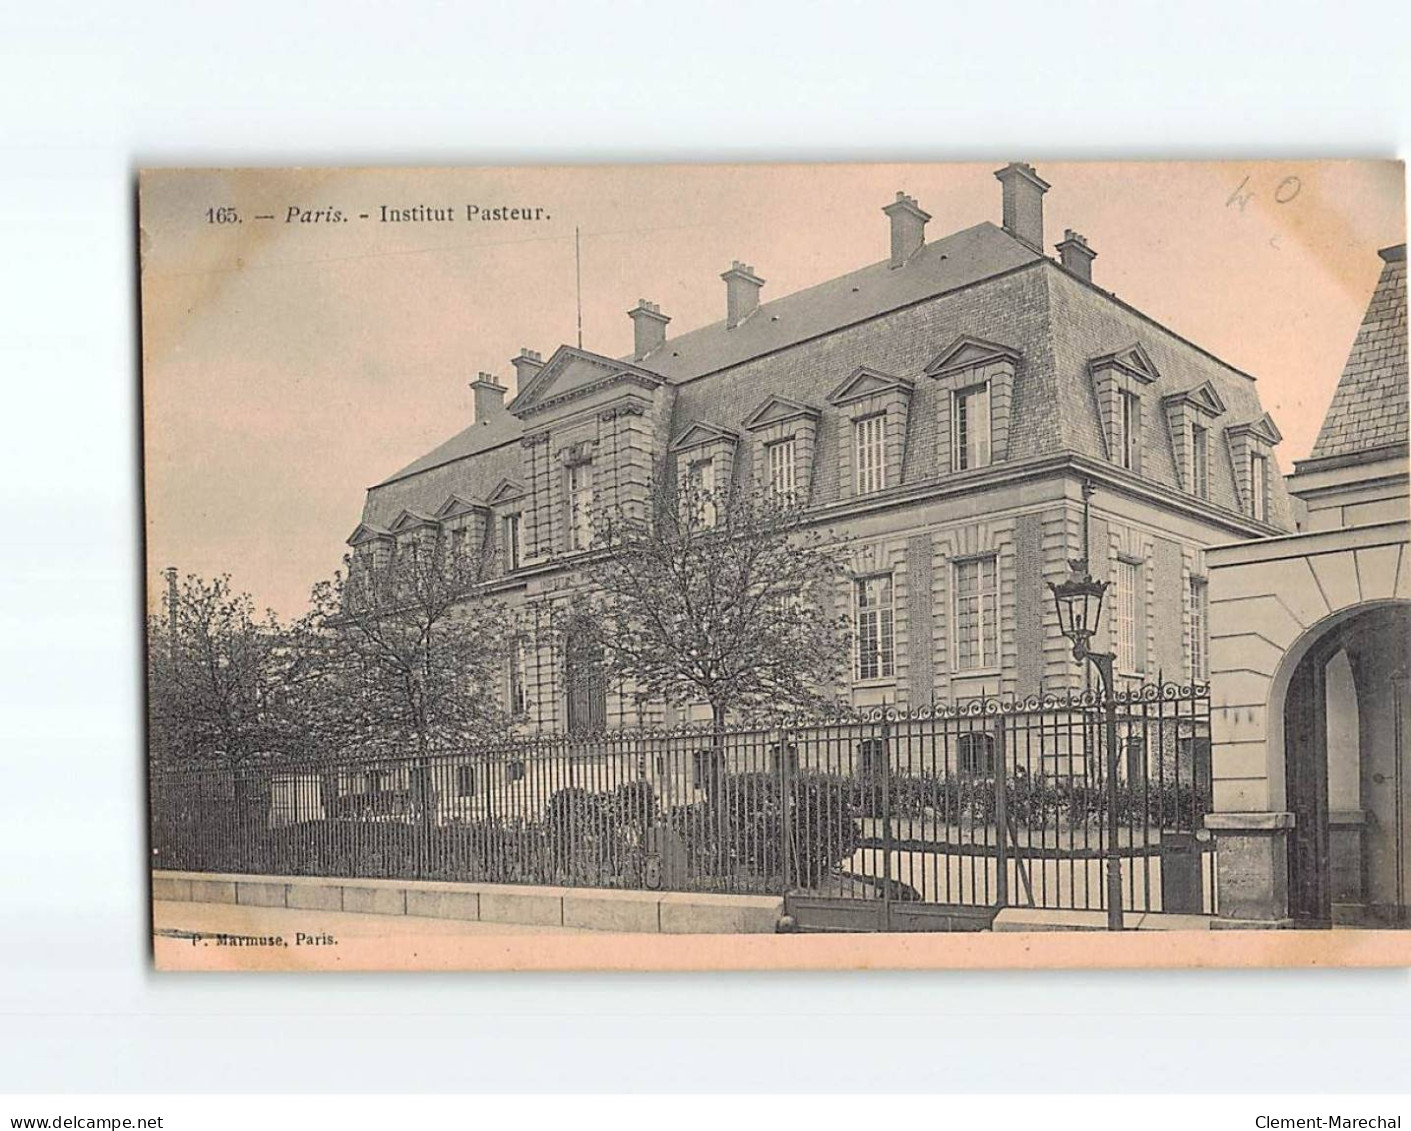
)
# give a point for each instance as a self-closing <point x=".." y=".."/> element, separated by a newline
<point x="739" y="831"/>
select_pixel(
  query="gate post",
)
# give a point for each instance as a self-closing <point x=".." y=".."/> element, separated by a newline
<point x="1001" y="816"/>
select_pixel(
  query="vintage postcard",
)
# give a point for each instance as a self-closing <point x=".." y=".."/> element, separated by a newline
<point x="777" y="566"/>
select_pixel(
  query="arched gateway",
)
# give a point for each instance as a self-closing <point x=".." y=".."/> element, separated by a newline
<point x="1310" y="656"/>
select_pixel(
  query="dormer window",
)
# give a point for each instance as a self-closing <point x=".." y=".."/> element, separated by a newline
<point x="977" y="388"/>
<point x="1250" y="447"/>
<point x="1190" y="416"/>
<point x="705" y="468"/>
<point x="870" y="445"/>
<point x="873" y="408"/>
<point x="784" y="434"/>
<point x="970" y="425"/>
<point x="1118" y="379"/>
<point x="699" y="483"/>
<point x="781" y="461"/>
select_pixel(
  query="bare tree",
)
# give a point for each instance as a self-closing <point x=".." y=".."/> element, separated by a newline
<point x="403" y="652"/>
<point x="215" y="674"/>
<point x="719" y="596"/>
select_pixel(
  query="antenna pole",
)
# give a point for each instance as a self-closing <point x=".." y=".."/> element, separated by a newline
<point x="578" y="280"/>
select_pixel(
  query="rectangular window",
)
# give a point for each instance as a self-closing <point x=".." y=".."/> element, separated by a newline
<point x="873" y="627"/>
<point x="970" y="428"/>
<point x="700" y="482"/>
<point x="580" y="506"/>
<point x="517" y="699"/>
<point x="1200" y="630"/>
<point x="781" y="470"/>
<point x="1200" y="462"/>
<point x="871" y="757"/>
<point x="870" y="435"/>
<point x="976" y="615"/>
<point x="1259" y="487"/>
<point x="1129" y="430"/>
<point x="465" y="781"/>
<point x="514" y="770"/>
<point x="1124" y="615"/>
<point x="509" y="540"/>
<point x="975" y="753"/>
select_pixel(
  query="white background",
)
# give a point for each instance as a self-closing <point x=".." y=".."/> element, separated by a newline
<point x="87" y="94"/>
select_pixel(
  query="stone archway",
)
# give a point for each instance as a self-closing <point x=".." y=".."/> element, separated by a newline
<point x="1272" y="603"/>
<point x="1345" y="732"/>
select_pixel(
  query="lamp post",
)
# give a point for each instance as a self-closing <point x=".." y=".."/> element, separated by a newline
<point x="1078" y="601"/>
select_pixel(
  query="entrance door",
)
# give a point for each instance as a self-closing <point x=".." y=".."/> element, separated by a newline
<point x="587" y="703"/>
<point x="1306" y="770"/>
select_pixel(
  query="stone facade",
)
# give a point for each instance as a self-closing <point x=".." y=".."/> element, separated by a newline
<point x="982" y="379"/>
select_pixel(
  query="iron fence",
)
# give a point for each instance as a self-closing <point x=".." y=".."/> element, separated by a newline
<point x="988" y="803"/>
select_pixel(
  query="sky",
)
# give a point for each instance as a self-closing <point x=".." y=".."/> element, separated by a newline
<point x="290" y="363"/>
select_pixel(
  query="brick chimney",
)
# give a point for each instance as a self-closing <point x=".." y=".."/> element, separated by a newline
<point x="1023" y="203"/>
<point x="489" y="397"/>
<point x="742" y="287"/>
<point x="648" y="328"/>
<point x="908" y="228"/>
<point x="526" y="365"/>
<point x="1075" y="255"/>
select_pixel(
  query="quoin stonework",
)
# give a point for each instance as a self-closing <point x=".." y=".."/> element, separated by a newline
<point x="938" y="411"/>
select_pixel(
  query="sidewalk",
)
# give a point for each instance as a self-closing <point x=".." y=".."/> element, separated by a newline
<point x="172" y="920"/>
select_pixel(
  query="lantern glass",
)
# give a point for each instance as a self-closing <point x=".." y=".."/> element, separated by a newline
<point x="1078" y="602"/>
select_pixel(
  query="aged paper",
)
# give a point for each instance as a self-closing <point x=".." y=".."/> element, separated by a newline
<point x="709" y="567"/>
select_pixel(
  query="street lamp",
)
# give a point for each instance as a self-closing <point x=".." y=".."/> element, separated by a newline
<point x="1078" y="601"/>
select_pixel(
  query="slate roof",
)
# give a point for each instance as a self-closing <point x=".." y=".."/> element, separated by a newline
<point x="980" y="282"/>
<point x="479" y="437"/>
<point x="953" y="261"/>
<point x="1369" y="408"/>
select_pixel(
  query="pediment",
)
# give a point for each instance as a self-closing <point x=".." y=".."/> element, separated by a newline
<point x="410" y="520"/>
<point x="867" y="382"/>
<point x="968" y="352"/>
<point x="507" y="490"/>
<point x="1132" y="359"/>
<point x="1263" y="429"/>
<point x="775" y="410"/>
<point x="572" y="373"/>
<point x="1204" y="396"/>
<point x="365" y="534"/>
<point x="457" y="505"/>
<point x="699" y="432"/>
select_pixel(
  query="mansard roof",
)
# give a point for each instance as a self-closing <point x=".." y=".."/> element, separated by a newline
<point x="964" y="299"/>
<point x="942" y="265"/>
<point x="1369" y="407"/>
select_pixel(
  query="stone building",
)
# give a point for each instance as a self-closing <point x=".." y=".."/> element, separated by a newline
<point x="938" y="410"/>
<point x="1310" y="654"/>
